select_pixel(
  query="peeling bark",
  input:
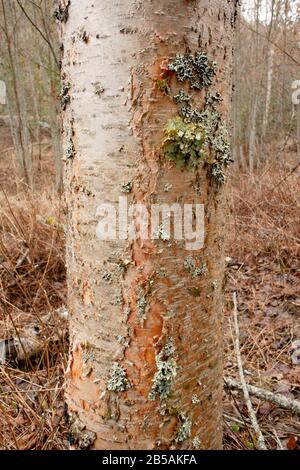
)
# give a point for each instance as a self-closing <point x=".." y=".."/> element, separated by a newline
<point x="129" y="301"/>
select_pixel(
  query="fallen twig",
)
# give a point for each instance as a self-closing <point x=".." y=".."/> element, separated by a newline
<point x="266" y="395"/>
<point x="244" y="387"/>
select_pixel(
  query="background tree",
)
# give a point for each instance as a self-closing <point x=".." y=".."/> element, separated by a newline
<point x="30" y="68"/>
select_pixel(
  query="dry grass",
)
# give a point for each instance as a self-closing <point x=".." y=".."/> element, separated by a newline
<point x="265" y="216"/>
<point x="32" y="281"/>
<point x="264" y="271"/>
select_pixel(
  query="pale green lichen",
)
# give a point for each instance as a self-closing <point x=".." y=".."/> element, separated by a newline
<point x="196" y="443"/>
<point x="195" y="400"/>
<point x="200" y="270"/>
<point x="197" y="135"/>
<point x="213" y="100"/>
<point x="183" y="142"/>
<point x="118" y="381"/>
<point x="162" y="233"/>
<point x="166" y="372"/>
<point x="190" y="265"/>
<point x="163" y="86"/>
<point x="169" y="349"/>
<point x="123" y="341"/>
<point x="79" y="436"/>
<point x="185" y="429"/>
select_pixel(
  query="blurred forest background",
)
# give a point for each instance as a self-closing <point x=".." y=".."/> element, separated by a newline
<point x="263" y="226"/>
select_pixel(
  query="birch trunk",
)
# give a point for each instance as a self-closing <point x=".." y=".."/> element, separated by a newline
<point x="270" y="64"/>
<point x="252" y="137"/>
<point x="145" y="369"/>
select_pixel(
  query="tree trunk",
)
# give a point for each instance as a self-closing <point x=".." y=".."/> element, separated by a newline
<point x="252" y="137"/>
<point x="16" y="99"/>
<point x="145" y="369"/>
<point x="270" y="63"/>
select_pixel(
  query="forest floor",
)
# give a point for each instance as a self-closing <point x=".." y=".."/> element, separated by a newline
<point x="262" y="268"/>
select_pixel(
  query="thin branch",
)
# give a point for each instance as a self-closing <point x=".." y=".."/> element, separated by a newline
<point x="39" y="31"/>
<point x="266" y="395"/>
<point x="271" y="42"/>
<point x="252" y="415"/>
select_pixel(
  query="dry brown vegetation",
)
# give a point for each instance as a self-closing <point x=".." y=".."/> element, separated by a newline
<point x="264" y="271"/>
<point x="262" y="267"/>
<point x="32" y="282"/>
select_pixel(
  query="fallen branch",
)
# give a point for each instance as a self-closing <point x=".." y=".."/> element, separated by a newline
<point x="260" y="438"/>
<point x="266" y="395"/>
<point x="30" y="341"/>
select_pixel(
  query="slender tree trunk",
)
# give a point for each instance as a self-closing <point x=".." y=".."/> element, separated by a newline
<point x="145" y="369"/>
<point x="252" y="137"/>
<point x="53" y="104"/>
<point x="18" y="116"/>
<point x="270" y="64"/>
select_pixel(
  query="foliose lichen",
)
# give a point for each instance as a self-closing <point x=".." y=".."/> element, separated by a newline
<point x="166" y="372"/>
<point x="182" y="97"/>
<point x="197" y="135"/>
<point x="190" y="265"/>
<point x="79" y="435"/>
<point x="162" y="233"/>
<point x="64" y="95"/>
<point x="118" y="381"/>
<point x="197" y="69"/>
<point x="61" y="12"/>
<point x="200" y="270"/>
<point x="183" y="142"/>
<point x="163" y="86"/>
<point x="195" y="400"/>
<point x="196" y="443"/>
<point x="213" y="100"/>
<point x="185" y="429"/>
